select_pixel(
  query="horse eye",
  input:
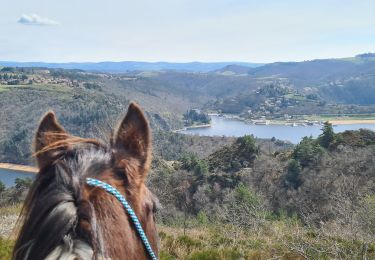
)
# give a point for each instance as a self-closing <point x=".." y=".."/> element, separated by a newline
<point x="119" y="173"/>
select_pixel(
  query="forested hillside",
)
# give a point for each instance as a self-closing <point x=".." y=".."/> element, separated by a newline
<point x="322" y="187"/>
<point x="348" y="81"/>
<point x="87" y="104"/>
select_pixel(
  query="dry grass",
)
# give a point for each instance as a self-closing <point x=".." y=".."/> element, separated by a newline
<point x="274" y="240"/>
<point x="278" y="239"/>
<point x="8" y="219"/>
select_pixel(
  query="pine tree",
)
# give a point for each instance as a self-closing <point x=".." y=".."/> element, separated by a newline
<point x="328" y="135"/>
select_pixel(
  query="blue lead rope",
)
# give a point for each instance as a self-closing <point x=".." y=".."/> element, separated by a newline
<point x="129" y="210"/>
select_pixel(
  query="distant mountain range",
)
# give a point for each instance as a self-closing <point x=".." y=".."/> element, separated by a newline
<point x="124" y="66"/>
<point x="343" y="80"/>
<point x="311" y="71"/>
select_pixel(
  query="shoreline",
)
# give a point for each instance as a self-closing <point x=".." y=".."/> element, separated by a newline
<point x="351" y="121"/>
<point x="198" y="126"/>
<point x="18" y="167"/>
<point x="192" y="127"/>
<point x="317" y="121"/>
<point x="284" y="122"/>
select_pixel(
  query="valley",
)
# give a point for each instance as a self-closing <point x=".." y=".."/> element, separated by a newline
<point x="277" y="199"/>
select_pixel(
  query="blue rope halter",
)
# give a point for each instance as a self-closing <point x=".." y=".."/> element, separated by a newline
<point x="129" y="210"/>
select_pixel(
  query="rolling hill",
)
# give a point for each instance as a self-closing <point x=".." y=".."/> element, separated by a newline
<point x="124" y="66"/>
<point x="344" y="81"/>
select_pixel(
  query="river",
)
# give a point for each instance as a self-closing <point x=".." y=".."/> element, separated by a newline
<point x="221" y="126"/>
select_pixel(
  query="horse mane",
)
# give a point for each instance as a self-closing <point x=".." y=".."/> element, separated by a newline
<point x="64" y="140"/>
<point x="55" y="203"/>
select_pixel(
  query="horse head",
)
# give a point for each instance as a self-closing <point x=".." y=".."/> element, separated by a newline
<point x="65" y="218"/>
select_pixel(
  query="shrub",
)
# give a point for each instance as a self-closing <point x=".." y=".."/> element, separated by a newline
<point x="189" y="242"/>
<point x="307" y="152"/>
<point x="202" y="218"/>
<point x="191" y="162"/>
<point x="247" y="144"/>
<point x="201" y="168"/>
<point x="2" y="187"/>
<point x="6" y="247"/>
<point x="244" y="195"/>
<point x="292" y="177"/>
<point x="23" y="183"/>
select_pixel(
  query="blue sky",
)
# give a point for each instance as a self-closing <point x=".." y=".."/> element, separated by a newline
<point x="185" y="30"/>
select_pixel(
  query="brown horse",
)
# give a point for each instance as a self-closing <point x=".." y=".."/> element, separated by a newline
<point x="64" y="218"/>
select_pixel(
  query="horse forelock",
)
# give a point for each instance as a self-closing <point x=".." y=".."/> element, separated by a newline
<point x="52" y="209"/>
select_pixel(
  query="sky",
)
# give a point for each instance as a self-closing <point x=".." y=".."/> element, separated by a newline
<point x="185" y="30"/>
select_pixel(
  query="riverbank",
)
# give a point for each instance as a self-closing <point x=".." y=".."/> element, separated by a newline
<point x="305" y="121"/>
<point x="309" y="123"/>
<point x="275" y="122"/>
<point x="351" y="121"/>
<point x="17" y="167"/>
<point x="192" y="127"/>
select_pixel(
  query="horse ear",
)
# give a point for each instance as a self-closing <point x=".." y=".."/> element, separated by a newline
<point x="133" y="138"/>
<point x="49" y="132"/>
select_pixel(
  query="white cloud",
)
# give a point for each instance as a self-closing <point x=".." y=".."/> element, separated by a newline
<point x="34" y="19"/>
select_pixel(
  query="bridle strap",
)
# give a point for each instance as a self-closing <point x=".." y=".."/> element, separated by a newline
<point x="129" y="210"/>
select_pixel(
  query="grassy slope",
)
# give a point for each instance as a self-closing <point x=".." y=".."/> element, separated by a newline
<point x="277" y="239"/>
<point x="273" y="240"/>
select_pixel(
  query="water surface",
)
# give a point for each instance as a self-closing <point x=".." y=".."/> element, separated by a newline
<point x="9" y="176"/>
<point x="231" y="127"/>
